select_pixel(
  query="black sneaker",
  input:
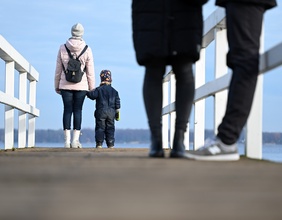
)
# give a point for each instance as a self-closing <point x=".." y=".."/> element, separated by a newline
<point x="215" y="150"/>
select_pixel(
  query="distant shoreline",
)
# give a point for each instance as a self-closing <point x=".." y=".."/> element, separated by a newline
<point x="129" y="136"/>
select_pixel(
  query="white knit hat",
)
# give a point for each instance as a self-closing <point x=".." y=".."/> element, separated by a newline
<point x="77" y="30"/>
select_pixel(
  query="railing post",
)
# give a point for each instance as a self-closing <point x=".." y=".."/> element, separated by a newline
<point x="172" y="114"/>
<point x="9" y="111"/>
<point x="31" y="120"/>
<point x="187" y="137"/>
<point x="253" y="143"/>
<point x="199" y="107"/>
<point x="220" y="98"/>
<point x="22" y="114"/>
<point x="165" y="118"/>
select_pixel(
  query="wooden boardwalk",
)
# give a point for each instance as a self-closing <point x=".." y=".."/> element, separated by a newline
<point x="124" y="184"/>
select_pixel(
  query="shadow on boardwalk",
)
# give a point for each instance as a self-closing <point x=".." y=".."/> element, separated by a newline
<point x="124" y="184"/>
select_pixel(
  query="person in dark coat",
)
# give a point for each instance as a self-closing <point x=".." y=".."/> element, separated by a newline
<point x="167" y="32"/>
<point x="244" y="23"/>
<point x="107" y="110"/>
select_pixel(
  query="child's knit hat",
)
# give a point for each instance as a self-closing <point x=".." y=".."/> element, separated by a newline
<point x="106" y="76"/>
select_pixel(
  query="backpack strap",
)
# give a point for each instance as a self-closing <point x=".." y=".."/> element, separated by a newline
<point x="84" y="49"/>
<point x="63" y="68"/>
<point x="69" y="53"/>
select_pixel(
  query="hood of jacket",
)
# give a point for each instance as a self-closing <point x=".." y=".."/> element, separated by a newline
<point x="75" y="44"/>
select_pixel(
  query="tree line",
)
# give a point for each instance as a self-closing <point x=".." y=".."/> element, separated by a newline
<point x="126" y="136"/>
<point x="87" y="135"/>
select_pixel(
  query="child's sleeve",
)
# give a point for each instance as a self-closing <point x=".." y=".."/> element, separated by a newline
<point x="93" y="94"/>
<point x="117" y="101"/>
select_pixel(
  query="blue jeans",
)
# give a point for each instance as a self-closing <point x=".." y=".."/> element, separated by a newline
<point x="73" y="102"/>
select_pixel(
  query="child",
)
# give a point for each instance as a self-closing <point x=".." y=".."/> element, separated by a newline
<point x="107" y="110"/>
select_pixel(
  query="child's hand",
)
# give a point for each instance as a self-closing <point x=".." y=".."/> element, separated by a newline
<point x="87" y="94"/>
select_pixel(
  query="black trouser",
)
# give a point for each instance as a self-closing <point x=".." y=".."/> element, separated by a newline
<point x="152" y="92"/>
<point x="244" y="22"/>
<point x="105" y="126"/>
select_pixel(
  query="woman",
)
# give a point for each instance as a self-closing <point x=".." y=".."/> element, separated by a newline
<point x="73" y="94"/>
<point x="167" y="32"/>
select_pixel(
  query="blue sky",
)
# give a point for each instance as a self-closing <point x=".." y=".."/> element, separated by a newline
<point x="37" y="28"/>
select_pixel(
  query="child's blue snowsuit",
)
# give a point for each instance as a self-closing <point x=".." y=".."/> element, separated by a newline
<point x="107" y="102"/>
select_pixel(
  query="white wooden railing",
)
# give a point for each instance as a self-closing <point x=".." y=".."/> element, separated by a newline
<point x="25" y="102"/>
<point x="215" y="31"/>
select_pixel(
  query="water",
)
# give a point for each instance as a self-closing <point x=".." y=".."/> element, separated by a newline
<point x="272" y="152"/>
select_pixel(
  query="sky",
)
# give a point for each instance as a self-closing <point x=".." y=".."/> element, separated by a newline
<point x="36" y="29"/>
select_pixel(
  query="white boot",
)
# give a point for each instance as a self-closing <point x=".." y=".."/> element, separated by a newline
<point x="75" y="139"/>
<point x="67" y="134"/>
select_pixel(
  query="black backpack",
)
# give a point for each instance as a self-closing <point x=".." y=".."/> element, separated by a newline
<point x="73" y="71"/>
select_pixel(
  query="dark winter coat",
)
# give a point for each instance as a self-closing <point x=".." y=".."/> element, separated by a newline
<point x="267" y="3"/>
<point x="106" y="97"/>
<point x="166" y="28"/>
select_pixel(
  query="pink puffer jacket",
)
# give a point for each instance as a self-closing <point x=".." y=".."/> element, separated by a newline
<point x="88" y="79"/>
